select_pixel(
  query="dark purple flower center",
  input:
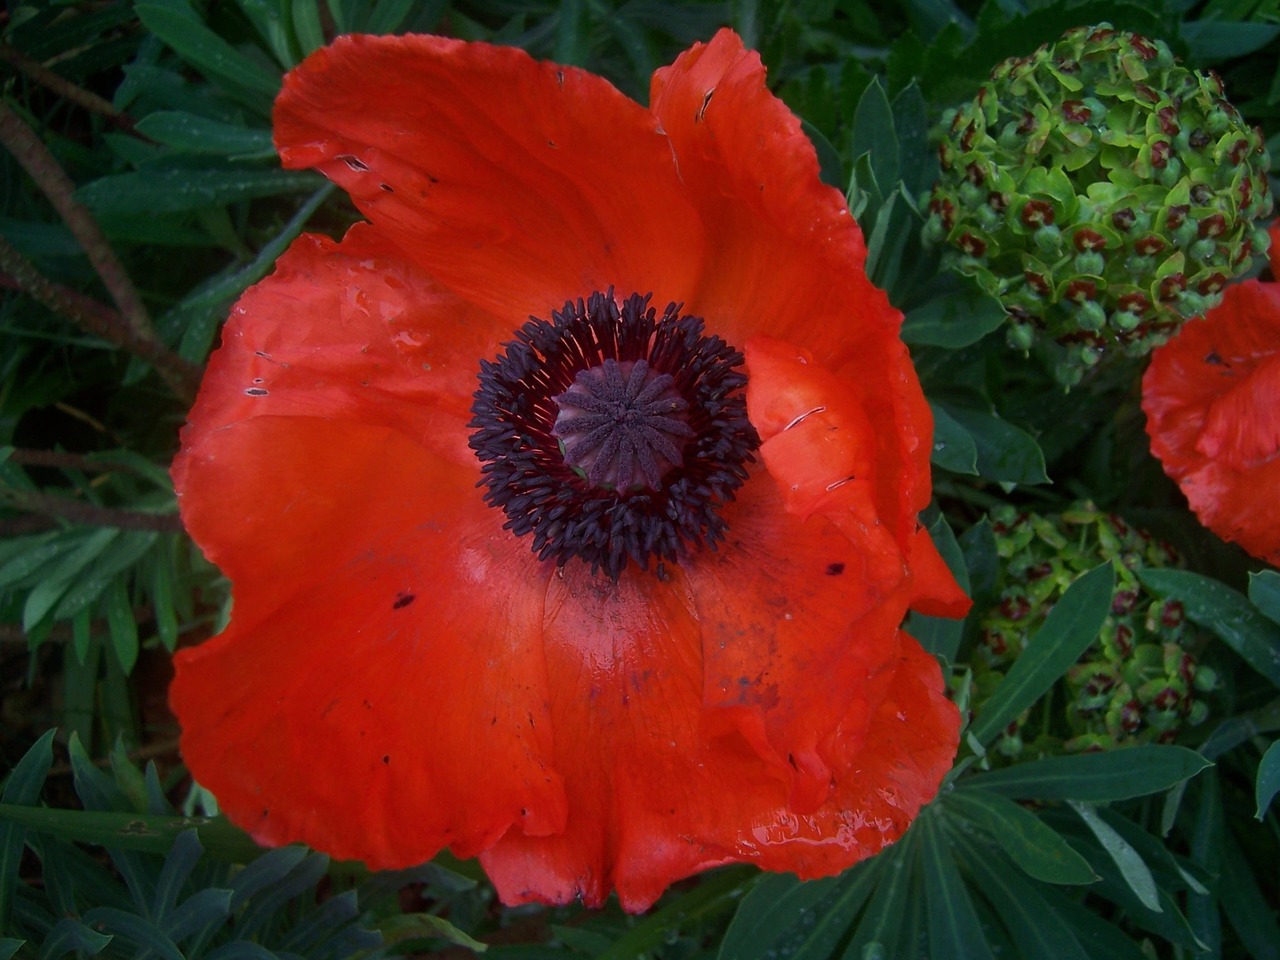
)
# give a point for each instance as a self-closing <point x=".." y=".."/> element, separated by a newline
<point x="622" y="425"/>
<point x="612" y="434"/>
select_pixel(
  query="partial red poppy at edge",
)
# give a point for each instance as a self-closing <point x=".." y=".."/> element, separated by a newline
<point x="401" y="673"/>
<point x="1212" y="400"/>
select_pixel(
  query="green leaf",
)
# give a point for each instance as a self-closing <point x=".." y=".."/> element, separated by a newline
<point x="953" y="447"/>
<point x="954" y="929"/>
<point x="1225" y="612"/>
<point x="953" y="313"/>
<point x="1034" y="927"/>
<point x="174" y="22"/>
<point x="181" y="190"/>
<point x="71" y="936"/>
<point x="882" y="924"/>
<point x="387" y="15"/>
<point x="1068" y="631"/>
<point x="148" y="833"/>
<point x="1006" y="454"/>
<point x="911" y="122"/>
<point x="1094" y="777"/>
<point x="1038" y="849"/>
<point x="1211" y="41"/>
<point x="121" y="625"/>
<point x="1132" y="867"/>
<point x="1268" y="784"/>
<point x="414" y="926"/>
<point x="193" y="134"/>
<point x="716" y="894"/>
<point x="874" y="136"/>
<point x="1247" y="908"/>
<point x="123" y="552"/>
<point x="22" y="788"/>
<point x="134" y="929"/>
<point x="10" y="946"/>
<point x="791" y="919"/>
<point x="1264" y="593"/>
<point x="58" y="580"/>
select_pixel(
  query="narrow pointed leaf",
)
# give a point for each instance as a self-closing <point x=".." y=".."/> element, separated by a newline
<point x="954" y="929"/>
<point x="1264" y="593"/>
<point x="1033" y="845"/>
<point x="1268" y="784"/>
<point x="71" y="936"/>
<point x="1132" y="867"/>
<point x="177" y="25"/>
<point x="1226" y="612"/>
<point x="1095" y="777"/>
<point x="1069" y="629"/>
<point x="1033" y="926"/>
<point x="883" y="921"/>
<point x="21" y="788"/>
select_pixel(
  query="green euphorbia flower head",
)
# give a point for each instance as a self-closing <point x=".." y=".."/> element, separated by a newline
<point x="1141" y="680"/>
<point x="1103" y="192"/>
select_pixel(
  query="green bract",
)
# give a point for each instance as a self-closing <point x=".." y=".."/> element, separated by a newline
<point x="1102" y="192"/>
<point x="1139" y="682"/>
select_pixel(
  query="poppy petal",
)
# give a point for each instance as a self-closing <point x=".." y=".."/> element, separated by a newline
<point x="288" y="716"/>
<point x="352" y="330"/>
<point x="519" y="184"/>
<point x="773" y="224"/>
<point x="1212" y="400"/>
<point x="657" y="796"/>
<point x="856" y="450"/>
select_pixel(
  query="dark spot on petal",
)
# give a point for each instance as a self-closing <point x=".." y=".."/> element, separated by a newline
<point x="1214" y="359"/>
<point x="403" y="600"/>
<point x="354" y="162"/>
<point x="386" y="187"/>
<point x="256" y="392"/>
<point x="835" y="569"/>
<point x="386" y="758"/>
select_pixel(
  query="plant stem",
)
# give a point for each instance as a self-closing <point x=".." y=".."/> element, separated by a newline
<point x="64" y="87"/>
<point x="89" y="514"/>
<point x="90" y="314"/>
<point x="53" y="181"/>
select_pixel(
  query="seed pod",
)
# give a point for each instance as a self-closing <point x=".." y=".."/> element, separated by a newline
<point x="1102" y="192"/>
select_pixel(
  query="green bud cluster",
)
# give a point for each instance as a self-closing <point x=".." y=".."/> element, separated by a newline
<point x="1102" y="192"/>
<point x="1140" y="681"/>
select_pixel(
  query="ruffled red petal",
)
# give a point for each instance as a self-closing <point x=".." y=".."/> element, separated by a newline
<point x="519" y="184"/>
<point x="1212" y="399"/>
<point x="666" y="788"/>
<point x="772" y="224"/>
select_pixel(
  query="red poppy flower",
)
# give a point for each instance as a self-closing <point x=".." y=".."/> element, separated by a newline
<point x="562" y="593"/>
<point x="1212" y="399"/>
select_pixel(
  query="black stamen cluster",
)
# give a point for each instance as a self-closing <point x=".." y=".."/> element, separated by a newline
<point x="524" y="467"/>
